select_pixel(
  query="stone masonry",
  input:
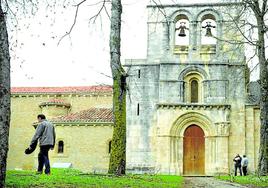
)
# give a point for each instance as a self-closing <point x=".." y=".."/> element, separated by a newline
<point x="161" y="88"/>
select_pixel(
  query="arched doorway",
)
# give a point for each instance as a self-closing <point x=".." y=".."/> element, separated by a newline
<point x="194" y="151"/>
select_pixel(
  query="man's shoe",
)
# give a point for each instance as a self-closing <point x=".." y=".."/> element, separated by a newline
<point x="38" y="173"/>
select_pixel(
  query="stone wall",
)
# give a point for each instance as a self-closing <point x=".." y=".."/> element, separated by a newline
<point x="86" y="146"/>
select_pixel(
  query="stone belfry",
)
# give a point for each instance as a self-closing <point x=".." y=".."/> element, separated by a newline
<point x="186" y="107"/>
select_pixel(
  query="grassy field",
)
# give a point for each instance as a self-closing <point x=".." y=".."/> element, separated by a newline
<point x="256" y="181"/>
<point x="74" y="178"/>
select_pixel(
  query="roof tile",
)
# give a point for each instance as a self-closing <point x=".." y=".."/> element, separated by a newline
<point x="55" y="101"/>
<point x="89" y="115"/>
<point x="72" y="89"/>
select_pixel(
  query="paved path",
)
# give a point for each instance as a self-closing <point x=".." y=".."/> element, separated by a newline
<point x="208" y="182"/>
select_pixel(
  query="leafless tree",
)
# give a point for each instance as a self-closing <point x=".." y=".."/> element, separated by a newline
<point x="118" y="149"/>
<point x="259" y="9"/>
<point x="118" y="152"/>
<point x="254" y="31"/>
<point x="4" y="94"/>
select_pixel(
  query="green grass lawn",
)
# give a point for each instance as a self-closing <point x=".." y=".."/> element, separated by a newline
<point x="74" y="178"/>
<point x="261" y="181"/>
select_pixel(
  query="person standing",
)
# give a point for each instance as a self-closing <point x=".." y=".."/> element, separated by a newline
<point x="45" y="134"/>
<point x="244" y="164"/>
<point x="237" y="164"/>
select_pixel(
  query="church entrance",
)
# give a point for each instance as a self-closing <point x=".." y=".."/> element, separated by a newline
<point x="194" y="151"/>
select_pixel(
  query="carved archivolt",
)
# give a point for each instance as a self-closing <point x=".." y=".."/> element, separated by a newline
<point x="191" y="118"/>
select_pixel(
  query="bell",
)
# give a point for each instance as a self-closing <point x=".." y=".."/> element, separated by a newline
<point x="182" y="33"/>
<point x="208" y="32"/>
<point x="208" y="29"/>
<point x="182" y="29"/>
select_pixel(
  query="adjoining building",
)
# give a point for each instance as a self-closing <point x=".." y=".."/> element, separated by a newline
<point x="83" y="120"/>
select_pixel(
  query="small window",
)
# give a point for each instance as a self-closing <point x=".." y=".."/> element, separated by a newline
<point x="138" y="109"/>
<point x="110" y="147"/>
<point x="194" y="91"/>
<point x="139" y="73"/>
<point x="60" y="146"/>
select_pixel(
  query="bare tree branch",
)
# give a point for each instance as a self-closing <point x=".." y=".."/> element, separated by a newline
<point x="92" y="18"/>
<point x="107" y="12"/>
<point x="108" y="76"/>
<point x="239" y="29"/>
<point x="99" y="12"/>
<point x="264" y="6"/>
<point x="74" y="22"/>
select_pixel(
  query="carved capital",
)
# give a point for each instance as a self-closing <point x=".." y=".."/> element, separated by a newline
<point x="222" y="128"/>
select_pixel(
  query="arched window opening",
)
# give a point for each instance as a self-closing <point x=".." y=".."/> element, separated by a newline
<point x="194" y="91"/>
<point x="193" y="87"/>
<point x="182" y="33"/>
<point x="60" y="146"/>
<point x="109" y="146"/>
<point x="209" y="30"/>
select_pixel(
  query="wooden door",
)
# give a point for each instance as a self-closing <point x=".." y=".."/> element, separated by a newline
<point x="194" y="151"/>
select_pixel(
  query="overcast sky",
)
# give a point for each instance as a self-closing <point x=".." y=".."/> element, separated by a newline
<point x="81" y="58"/>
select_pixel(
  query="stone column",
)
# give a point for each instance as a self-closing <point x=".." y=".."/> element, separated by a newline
<point x="198" y="35"/>
<point x="193" y="35"/>
<point x="222" y="150"/>
<point x="219" y="44"/>
<point x="181" y="92"/>
<point x="176" y="155"/>
<point x="163" y="154"/>
<point x="166" y="26"/>
<point x="171" y="36"/>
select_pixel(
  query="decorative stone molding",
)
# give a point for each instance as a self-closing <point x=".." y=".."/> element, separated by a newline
<point x="223" y="128"/>
<point x="192" y="106"/>
<point x="193" y="68"/>
<point x="211" y="11"/>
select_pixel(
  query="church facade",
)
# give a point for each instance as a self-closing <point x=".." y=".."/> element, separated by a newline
<point x="188" y="111"/>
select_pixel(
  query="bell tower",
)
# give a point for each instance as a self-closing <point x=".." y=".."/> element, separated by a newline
<point x="191" y="78"/>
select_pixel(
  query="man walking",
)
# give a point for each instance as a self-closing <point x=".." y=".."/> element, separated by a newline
<point x="45" y="134"/>
<point x="244" y="164"/>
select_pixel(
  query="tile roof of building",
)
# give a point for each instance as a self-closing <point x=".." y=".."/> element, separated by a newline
<point x="89" y="115"/>
<point x="72" y="89"/>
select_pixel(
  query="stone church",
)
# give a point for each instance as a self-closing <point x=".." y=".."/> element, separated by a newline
<point x="188" y="107"/>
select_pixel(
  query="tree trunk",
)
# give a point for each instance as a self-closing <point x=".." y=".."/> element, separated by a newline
<point x="4" y="95"/>
<point x="118" y="152"/>
<point x="259" y="11"/>
<point x="263" y="152"/>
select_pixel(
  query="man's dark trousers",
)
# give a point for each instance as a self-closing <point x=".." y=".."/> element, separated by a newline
<point x="43" y="159"/>
<point x="244" y="168"/>
<point x="238" y="167"/>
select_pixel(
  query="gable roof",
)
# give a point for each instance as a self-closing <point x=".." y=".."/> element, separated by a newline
<point x="71" y="89"/>
<point x="101" y="115"/>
